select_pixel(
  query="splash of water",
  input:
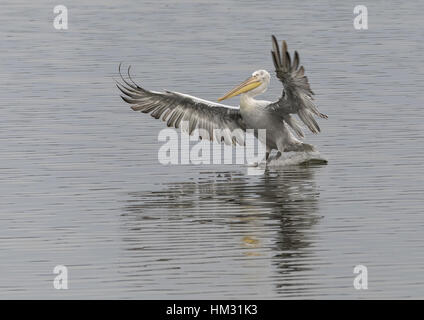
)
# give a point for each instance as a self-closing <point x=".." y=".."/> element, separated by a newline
<point x="296" y="158"/>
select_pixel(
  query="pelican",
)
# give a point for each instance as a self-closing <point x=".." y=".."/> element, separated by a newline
<point x="276" y="117"/>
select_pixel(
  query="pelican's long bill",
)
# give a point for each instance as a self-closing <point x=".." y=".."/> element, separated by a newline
<point x="245" y="86"/>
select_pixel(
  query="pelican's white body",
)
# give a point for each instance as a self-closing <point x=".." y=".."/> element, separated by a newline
<point x="256" y="116"/>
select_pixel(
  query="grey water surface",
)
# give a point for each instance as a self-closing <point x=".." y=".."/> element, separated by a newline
<point x="81" y="185"/>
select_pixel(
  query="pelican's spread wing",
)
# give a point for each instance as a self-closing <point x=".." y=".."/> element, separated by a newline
<point x="297" y="95"/>
<point x="174" y="108"/>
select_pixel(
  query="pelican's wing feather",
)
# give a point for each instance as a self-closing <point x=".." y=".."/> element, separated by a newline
<point x="297" y="95"/>
<point x="175" y="108"/>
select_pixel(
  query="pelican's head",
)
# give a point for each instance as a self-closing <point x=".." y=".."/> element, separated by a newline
<point x="256" y="84"/>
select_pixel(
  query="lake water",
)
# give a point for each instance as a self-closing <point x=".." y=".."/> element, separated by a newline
<point x="81" y="185"/>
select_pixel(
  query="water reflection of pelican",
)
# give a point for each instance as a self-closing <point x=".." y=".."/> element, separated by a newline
<point x="264" y="218"/>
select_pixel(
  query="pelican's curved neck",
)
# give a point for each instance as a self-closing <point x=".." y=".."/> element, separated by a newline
<point x="247" y="99"/>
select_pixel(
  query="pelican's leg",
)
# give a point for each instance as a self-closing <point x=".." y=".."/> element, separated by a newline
<point x="267" y="154"/>
<point x="281" y="147"/>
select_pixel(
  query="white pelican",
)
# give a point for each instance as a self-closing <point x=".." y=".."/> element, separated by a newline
<point x="275" y="117"/>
